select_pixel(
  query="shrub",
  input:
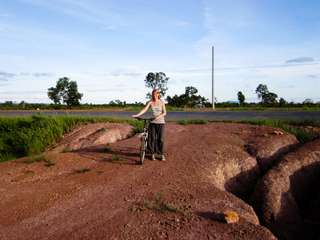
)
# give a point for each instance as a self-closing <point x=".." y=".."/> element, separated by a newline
<point x="115" y="159"/>
<point x="41" y="158"/>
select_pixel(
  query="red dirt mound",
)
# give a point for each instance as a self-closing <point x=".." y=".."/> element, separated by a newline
<point x="84" y="194"/>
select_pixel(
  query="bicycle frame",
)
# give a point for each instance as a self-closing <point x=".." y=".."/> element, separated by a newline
<point x="144" y="138"/>
<point x="145" y="130"/>
<point x="145" y="120"/>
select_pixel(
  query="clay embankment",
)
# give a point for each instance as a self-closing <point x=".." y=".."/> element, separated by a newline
<point x="261" y="173"/>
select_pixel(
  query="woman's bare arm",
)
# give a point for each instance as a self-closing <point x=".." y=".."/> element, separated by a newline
<point x="142" y="111"/>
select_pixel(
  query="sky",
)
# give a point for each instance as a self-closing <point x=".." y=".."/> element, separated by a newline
<point x="109" y="46"/>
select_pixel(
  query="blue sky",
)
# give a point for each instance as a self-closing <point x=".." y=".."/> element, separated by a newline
<point x="109" y="46"/>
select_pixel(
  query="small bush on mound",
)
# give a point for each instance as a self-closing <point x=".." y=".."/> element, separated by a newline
<point x="116" y="159"/>
<point x="104" y="150"/>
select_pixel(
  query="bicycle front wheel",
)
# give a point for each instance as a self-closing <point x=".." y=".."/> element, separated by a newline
<point x="143" y="148"/>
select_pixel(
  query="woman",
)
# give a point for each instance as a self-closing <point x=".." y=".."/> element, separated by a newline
<point x="156" y="127"/>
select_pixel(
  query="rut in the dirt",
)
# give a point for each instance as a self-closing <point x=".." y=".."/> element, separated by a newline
<point x="282" y="183"/>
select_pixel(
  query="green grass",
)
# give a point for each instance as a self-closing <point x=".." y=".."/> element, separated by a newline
<point x="20" y="137"/>
<point x="146" y="204"/>
<point x="303" y="136"/>
<point x="135" y="108"/>
<point x="99" y="131"/>
<point x="116" y="158"/>
<point x="170" y="208"/>
<point x="104" y="150"/>
<point x="138" y="126"/>
<point x="40" y="158"/>
<point x="66" y="150"/>
<point x="193" y="121"/>
<point x="30" y="136"/>
<point x="159" y="196"/>
<point x="162" y="206"/>
<point x="133" y="208"/>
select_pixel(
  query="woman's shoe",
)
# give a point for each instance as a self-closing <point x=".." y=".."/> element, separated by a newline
<point x="153" y="157"/>
<point x="163" y="158"/>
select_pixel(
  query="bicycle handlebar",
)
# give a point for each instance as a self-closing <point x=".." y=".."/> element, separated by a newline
<point x="147" y="119"/>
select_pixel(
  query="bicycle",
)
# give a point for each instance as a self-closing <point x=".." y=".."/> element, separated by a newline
<point x="144" y="138"/>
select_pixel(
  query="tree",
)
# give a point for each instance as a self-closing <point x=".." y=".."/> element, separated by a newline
<point x="189" y="98"/>
<point x="8" y="103"/>
<point x="190" y="91"/>
<point x="241" y="97"/>
<point x="267" y="98"/>
<point x="308" y="101"/>
<point x="23" y="104"/>
<point x="282" y="102"/>
<point x="157" y="80"/>
<point x="66" y="91"/>
<point x="262" y="90"/>
<point x="174" y="101"/>
<point x="270" y="99"/>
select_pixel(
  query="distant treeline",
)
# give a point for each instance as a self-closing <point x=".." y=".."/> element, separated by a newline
<point x="9" y="105"/>
<point x="306" y="105"/>
<point x="287" y="105"/>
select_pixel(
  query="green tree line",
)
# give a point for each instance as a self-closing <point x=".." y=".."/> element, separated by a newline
<point x="65" y="95"/>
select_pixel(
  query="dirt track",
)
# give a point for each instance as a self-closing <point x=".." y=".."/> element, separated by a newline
<point x="85" y="195"/>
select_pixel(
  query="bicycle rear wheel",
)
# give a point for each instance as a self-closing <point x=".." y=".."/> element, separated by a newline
<point x="143" y="148"/>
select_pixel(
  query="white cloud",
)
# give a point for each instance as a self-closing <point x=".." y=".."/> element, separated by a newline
<point x="43" y="74"/>
<point x="4" y="76"/>
<point x="300" y="60"/>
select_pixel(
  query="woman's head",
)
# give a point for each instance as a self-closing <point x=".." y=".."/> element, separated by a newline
<point x="155" y="94"/>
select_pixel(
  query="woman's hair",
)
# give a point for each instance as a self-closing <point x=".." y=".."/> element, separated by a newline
<point x="157" y="91"/>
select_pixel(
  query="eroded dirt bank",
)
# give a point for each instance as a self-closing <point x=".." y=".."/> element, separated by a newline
<point x="209" y="169"/>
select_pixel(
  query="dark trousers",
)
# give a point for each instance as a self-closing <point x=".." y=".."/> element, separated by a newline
<point x="156" y="138"/>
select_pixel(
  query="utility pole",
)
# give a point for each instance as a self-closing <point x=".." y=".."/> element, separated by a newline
<point x="212" y="78"/>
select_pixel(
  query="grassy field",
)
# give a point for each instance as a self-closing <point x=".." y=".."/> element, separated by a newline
<point x="30" y="136"/>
